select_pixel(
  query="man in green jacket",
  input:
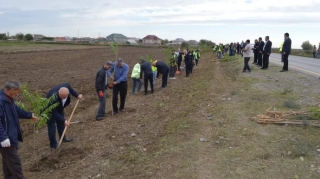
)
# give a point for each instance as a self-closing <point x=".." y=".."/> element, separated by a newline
<point x="136" y="78"/>
<point x="173" y="65"/>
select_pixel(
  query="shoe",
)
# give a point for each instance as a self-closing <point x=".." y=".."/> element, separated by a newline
<point x="99" y="118"/>
<point x="152" y="92"/>
<point x="265" y="68"/>
<point x="65" y="139"/>
<point x="173" y="78"/>
<point x="122" y="110"/>
<point x="170" y="78"/>
<point x="114" y="113"/>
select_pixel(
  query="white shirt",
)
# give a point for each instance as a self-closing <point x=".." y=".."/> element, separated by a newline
<point x="247" y="53"/>
<point x="265" y="44"/>
<point x="64" y="101"/>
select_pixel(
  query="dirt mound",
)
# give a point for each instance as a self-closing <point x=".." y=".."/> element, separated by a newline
<point x="61" y="159"/>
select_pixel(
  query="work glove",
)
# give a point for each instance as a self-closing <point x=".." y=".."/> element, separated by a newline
<point x="101" y="94"/>
<point x="5" y="143"/>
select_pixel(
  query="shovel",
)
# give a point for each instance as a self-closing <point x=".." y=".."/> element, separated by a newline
<point x="55" y="153"/>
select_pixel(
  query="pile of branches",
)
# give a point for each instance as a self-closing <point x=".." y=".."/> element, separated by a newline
<point x="288" y="118"/>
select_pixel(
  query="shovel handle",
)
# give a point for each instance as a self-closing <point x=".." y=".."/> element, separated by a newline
<point x="66" y="127"/>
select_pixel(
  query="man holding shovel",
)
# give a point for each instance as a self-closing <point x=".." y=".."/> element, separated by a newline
<point x="62" y="97"/>
<point x="10" y="132"/>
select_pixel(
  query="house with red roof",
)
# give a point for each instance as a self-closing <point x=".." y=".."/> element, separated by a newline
<point x="151" y="39"/>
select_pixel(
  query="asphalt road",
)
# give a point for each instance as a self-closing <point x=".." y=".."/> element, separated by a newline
<point x="306" y="65"/>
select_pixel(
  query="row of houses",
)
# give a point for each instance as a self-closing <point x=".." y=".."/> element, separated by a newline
<point x="118" y="38"/>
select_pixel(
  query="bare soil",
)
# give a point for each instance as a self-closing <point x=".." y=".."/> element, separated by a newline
<point x="169" y="123"/>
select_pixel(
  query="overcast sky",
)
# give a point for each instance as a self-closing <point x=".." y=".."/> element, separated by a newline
<point x="221" y="21"/>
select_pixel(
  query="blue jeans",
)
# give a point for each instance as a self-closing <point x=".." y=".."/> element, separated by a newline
<point x="219" y="55"/>
<point x="135" y="81"/>
<point x="102" y="104"/>
<point x="154" y="77"/>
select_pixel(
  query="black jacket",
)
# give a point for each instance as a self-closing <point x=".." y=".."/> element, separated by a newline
<point x="180" y="57"/>
<point x="145" y="68"/>
<point x="101" y="79"/>
<point x="9" y="119"/>
<point x="57" y="113"/>
<point x="188" y="59"/>
<point x="287" y="46"/>
<point x="256" y="45"/>
<point x="260" y="46"/>
<point x="267" y="48"/>
<point x="162" y="67"/>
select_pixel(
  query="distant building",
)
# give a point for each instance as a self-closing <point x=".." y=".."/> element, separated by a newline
<point x="68" y="39"/>
<point x="61" y="39"/>
<point x="192" y="42"/>
<point x="37" y="37"/>
<point x="132" y="42"/>
<point x="151" y="39"/>
<point x="119" y="38"/>
<point x="178" y="41"/>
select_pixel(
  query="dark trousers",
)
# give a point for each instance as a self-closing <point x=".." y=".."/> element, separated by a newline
<point x="255" y="58"/>
<point x="173" y="70"/>
<point x="102" y="104"/>
<point x="191" y="70"/>
<point x="11" y="163"/>
<point x="197" y="61"/>
<point x="148" y="78"/>
<point x="179" y="65"/>
<point x="121" y="88"/>
<point x="260" y="59"/>
<point x="51" y="124"/>
<point x="188" y="69"/>
<point x="314" y="54"/>
<point x="265" y="61"/>
<point x="285" y="62"/>
<point x="246" y="64"/>
<point x="165" y="78"/>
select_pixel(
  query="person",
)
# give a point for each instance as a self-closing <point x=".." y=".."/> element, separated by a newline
<point x="188" y="63"/>
<point x="231" y="49"/>
<point x="219" y="52"/>
<point x="57" y="119"/>
<point x="255" y="52"/>
<point x="192" y="59"/>
<point x="314" y="51"/>
<point x="286" y="50"/>
<point x="246" y="56"/>
<point x="197" y="56"/>
<point x="145" y="68"/>
<point x="266" y="53"/>
<point x="154" y="72"/>
<point x="164" y="70"/>
<point x="120" y="84"/>
<point x="173" y="65"/>
<point x="135" y="75"/>
<point x="260" y="53"/>
<point x="101" y="86"/>
<point x="180" y="56"/>
<point x="280" y="50"/>
<point x="10" y="131"/>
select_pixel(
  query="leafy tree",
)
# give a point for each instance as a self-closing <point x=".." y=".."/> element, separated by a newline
<point x="3" y="36"/>
<point x="184" y="45"/>
<point x="20" y="36"/>
<point x="115" y="49"/>
<point x="28" y="37"/>
<point x="40" y="106"/>
<point x="163" y="42"/>
<point x="206" y="42"/>
<point x="306" y="45"/>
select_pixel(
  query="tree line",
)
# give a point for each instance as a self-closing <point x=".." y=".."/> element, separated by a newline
<point x="19" y="36"/>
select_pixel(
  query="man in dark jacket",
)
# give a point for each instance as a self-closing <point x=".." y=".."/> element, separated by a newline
<point x="188" y="63"/>
<point x="101" y="86"/>
<point x="145" y="68"/>
<point x="164" y="70"/>
<point x="62" y="97"/>
<point x="255" y="52"/>
<point x="286" y="50"/>
<point x="266" y="53"/>
<point x="180" y="60"/>
<point x="260" y="51"/>
<point x="10" y="132"/>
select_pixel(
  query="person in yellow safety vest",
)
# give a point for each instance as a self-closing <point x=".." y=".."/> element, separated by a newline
<point x="155" y="72"/>
<point x="173" y="65"/>
<point x="280" y="50"/>
<point x="197" y="53"/>
<point x="195" y="57"/>
<point x="136" y="78"/>
<point x="219" y="52"/>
